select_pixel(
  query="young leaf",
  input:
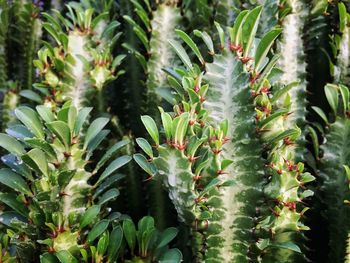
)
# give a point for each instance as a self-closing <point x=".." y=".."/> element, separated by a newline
<point x="81" y="118"/>
<point x="130" y="233"/>
<point x="94" y="129"/>
<point x="167" y="236"/>
<point x="111" y="194"/>
<point x="11" y="145"/>
<point x="97" y="230"/>
<point x="14" y="181"/>
<point x="62" y="131"/>
<point x="115" y="241"/>
<point x="331" y="91"/>
<point x="188" y="40"/>
<point x="31" y="120"/>
<point x="181" y="52"/>
<point x="113" y="166"/>
<point x="145" y="146"/>
<point x="151" y="128"/>
<point x="45" y="113"/>
<point x="264" y="47"/>
<point x="144" y="164"/>
<point x="89" y="216"/>
<point x="320" y="113"/>
<point x="249" y="29"/>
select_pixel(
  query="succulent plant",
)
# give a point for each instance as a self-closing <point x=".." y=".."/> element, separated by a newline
<point x="53" y="191"/>
<point x="81" y="63"/>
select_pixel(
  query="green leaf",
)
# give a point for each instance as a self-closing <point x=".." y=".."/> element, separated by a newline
<point x="264" y="47"/>
<point x="65" y="256"/>
<point x="320" y="113"/>
<point x="45" y="113"/>
<point x="64" y="178"/>
<point x="113" y="166"/>
<point x="331" y="92"/>
<point x="144" y="164"/>
<point x="167" y="123"/>
<point x="110" y="152"/>
<point x="151" y="128"/>
<point x="171" y="255"/>
<point x="344" y="91"/>
<point x="206" y="39"/>
<point x="180" y="128"/>
<point x="31" y="95"/>
<point x="111" y="194"/>
<point x="11" y="145"/>
<point x="221" y="34"/>
<point x="249" y="29"/>
<point x="181" y="52"/>
<point x="102" y="244"/>
<point x="94" y="129"/>
<point x="31" y="120"/>
<point x="42" y="145"/>
<point x="145" y="146"/>
<point x="89" y="216"/>
<point x="287" y="245"/>
<point x="62" y="131"/>
<point x="10" y="200"/>
<point x="106" y="184"/>
<point x="130" y="233"/>
<point x="115" y="241"/>
<point x="14" y="181"/>
<point x="48" y="258"/>
<point x="97" y="230"/>
<point x="81" y="118"/>
<point x="167" y="236"/>
<point x="236" y="31"/>
<point x="213" y="183"/>
<point x="188" y="40"/>
<point x="36" y="159"/>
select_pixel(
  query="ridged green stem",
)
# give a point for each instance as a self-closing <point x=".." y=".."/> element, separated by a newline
<point x="336" y="153"/>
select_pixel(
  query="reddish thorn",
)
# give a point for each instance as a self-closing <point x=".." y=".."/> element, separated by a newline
<point x="245" y="60"/>
<point x="67" y="154"/>
<point x="196" y="178"/>
<point x="196" y="89"/>
<point x="287" y="141"/>
<point x="202" y="99"/>
<point x="219" y="172"/>
<point x="191" y="122"/>
<point x="235" y="48"/>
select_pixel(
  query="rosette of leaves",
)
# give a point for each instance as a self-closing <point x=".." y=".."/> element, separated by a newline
<point x="187" y="159"/>
<point x="333" y="156"/>
<point x="56" y="194"/>
<point x="147" y="244"/>
<point x="81" y="63"/>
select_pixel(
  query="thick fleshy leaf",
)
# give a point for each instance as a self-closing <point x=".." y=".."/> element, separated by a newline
<point x="97" y="230"/>
<point x="89" y="216"/>
<point x="167" y="236"/>
<point x="110" y="195"/>
<point x="110" y="181"/>
<point x="151" y="128"/>
<point x="144" y="164"/>
<point x="145" y="146"/>
<point x="188" y="40"/>
<point x="130" y="233"/>
<point x="113" y="166"/>
<point x="14" y="181"/>
<point x="81" y="119"/>
<point x="65" y="256"/>
<point x="10" y="200"/>
<point x="332" y="96"/>
<point x="172" y="255"/>
<point x="31" y="120"/>
<point x="115" y="241"/>
<point x="110" y="153"/>
<point x="36" y="159"/>
<point x="94" y="129"/>
<point x="11" y="145"/>
<point x="181" y="52"/>
<point x="62" y="131"/>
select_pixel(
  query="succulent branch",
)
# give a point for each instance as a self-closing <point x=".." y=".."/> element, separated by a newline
<point x="81" y="63"/>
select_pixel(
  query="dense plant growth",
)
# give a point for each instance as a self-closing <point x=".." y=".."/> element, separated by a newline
<point x="174" y="131"/>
